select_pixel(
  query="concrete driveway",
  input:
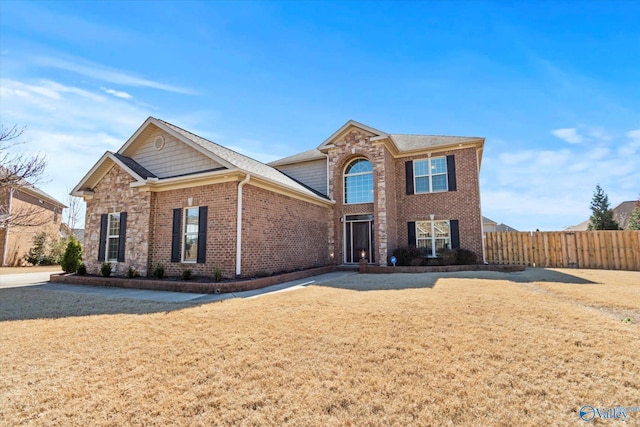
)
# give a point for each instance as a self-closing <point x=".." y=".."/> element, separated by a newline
<point x="41" y="281"/>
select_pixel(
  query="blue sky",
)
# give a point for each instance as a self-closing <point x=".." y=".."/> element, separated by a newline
<point x="554" y="87"/>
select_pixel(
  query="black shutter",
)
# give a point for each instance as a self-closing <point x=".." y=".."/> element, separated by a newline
<point x="202" y="235"/>
<point x="104" y="220"/>
<point x="408" y="172"/>
<point x="123" y="236"/>
<point x="455" y="234"/>
<point x="451" y="173"/>
<point x="175" y="235"/>
<point x="411" y="232"/>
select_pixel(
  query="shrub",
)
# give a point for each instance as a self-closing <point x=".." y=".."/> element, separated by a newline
<point x="186" y="275"/>
<point x="406" y="255"/>
<point x="40" y="254"/>
<point x="447" y="256"/>
<point x="72" y="257"/>
<point x="217" y="274"/>
<point x="82" y="269"/>
<point x="105" y="269"/>
<point x="158" y="272"/>
<point x="132" y="272"/>
<point x="466" y="257"/>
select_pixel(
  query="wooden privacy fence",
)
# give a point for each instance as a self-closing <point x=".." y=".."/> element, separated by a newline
<point x="613" y="250"/>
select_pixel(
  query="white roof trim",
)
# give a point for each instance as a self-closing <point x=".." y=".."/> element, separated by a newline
<point x="78" y="189"/>
<point x="327" y="142"/>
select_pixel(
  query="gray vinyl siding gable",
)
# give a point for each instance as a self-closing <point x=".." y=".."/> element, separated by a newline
<point x="175" y="157"/>
<point x="312" y="174"/>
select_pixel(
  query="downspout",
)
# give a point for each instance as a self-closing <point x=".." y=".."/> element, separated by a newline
<point x="239" y="227"/>
<point x="6" y="229"/>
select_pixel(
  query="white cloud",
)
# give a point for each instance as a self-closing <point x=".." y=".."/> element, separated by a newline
<point x="569" y="135"/>
<point x="117" y="93"/>
<point x="106" y="74"/>
<point x="551" y="189"/>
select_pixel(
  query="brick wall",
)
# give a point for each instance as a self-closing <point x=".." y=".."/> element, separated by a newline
<point x="280" y="233"/>
<point x="463" y="204"/>
<point x="20" y="238"/>
<point x="113" y="194"/>
<point x="221" y="200"/>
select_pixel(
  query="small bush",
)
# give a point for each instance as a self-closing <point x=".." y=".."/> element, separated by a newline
<point x="406" y="255"/>
<point x="158" y="272"/>
<point x="447" y="256"/>
<point x="82" y="269"/>
<point x="72" y="257"/>
<point x="186" y="274"/>
<point x="132" y="272"/>
<point x="217" y="274"/>
<point x="105" y="269"/>
<point x="466" y="257"/>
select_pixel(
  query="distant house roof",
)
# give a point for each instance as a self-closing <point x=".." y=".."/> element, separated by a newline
<point x="621" y="214"/>
<point x="31" y="189"/>
<point x="498" y="227"/>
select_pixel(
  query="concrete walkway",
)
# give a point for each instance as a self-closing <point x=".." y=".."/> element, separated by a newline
<point x="181" y="297"/>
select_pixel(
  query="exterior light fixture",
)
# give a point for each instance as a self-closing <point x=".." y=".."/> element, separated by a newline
<point x="432" y="216"/>
<point x="363" y="253"/>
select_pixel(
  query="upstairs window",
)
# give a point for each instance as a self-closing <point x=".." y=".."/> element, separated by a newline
<point x="358" y="182"/>
<point x="430" y="175"/>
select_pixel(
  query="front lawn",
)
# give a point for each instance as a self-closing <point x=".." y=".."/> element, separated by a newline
<point x="467" y="351"/>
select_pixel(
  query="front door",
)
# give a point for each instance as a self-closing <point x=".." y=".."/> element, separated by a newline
<point x="358" y="233"/>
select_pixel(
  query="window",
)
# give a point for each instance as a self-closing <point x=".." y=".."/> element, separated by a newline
<point x="437" y="174"/>
<point x="189" y="235"/>
<point x="113" y="237"/>
<point x="430" y="175"/>
<point x="433" y="235"/>
<point x="358" y="182"/>
<point x="190" y="241"/>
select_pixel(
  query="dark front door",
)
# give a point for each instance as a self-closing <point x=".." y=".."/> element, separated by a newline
<point x="358" y="241"/>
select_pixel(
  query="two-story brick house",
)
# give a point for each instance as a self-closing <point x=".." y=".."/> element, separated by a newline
<point x="171" y="197"/>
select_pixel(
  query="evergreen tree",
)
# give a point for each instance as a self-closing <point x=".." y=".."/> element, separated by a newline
<point x="72" y="257"/>
<point x="602" y="217"/>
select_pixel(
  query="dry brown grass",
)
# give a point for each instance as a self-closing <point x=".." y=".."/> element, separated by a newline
<point x="466" y="352"/>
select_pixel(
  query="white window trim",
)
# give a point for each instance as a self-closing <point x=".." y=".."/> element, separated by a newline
<point x="344" y="180"/>
<point x="184" y="235"/>
<point x="111" y="236"/>
<point x="430" y="176"/>
<point x="433" y="239"/>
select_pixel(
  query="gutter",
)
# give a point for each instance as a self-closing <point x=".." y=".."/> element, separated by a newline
<point x="6" y="229"/>
<point x="239" y="226"/>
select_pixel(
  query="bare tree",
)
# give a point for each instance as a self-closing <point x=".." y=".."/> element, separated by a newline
<point x="73" y="211"/>
<point x="18" y="171"/>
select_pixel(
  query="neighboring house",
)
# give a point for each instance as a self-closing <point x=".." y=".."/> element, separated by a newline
<point x="490" y="225"/>
<point x="621" y="214"/>
<point x="25" y="211"/>
<point x="170" y="197"/>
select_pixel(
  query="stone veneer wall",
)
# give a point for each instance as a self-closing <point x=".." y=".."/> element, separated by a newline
<point x="463" y="204"/>
<point x="113" y="194"/>
<point x="280" y="233"/>
<point x="356" y="144"/>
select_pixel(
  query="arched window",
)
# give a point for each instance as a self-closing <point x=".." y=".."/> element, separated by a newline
<point x="358" y="182"/>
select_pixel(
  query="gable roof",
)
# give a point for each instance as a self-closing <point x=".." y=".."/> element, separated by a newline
<point x="231" y="161"/>
<point x="398" y="144"/>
